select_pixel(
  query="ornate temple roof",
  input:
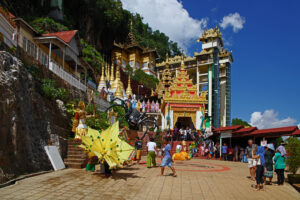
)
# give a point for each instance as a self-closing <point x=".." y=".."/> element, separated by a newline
<point x="132" y="43"/>
<point x="204" y="52"/>
<point x="211" y="34"/>
<point x="182" y="89"/>
<point x="225" y="53"/>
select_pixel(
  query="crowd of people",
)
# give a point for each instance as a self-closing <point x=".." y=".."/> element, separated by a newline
<point x="262" y="160"/>
<point x="184" y="133"/>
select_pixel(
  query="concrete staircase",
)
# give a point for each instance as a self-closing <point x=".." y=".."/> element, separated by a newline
<point x="76" y="157"/>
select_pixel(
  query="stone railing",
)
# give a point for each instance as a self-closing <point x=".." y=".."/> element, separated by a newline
<point x="69" y="78"/>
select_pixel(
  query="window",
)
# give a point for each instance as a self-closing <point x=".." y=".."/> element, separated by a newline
<point x="24" y="42"/>
<point x="131" y="63"/>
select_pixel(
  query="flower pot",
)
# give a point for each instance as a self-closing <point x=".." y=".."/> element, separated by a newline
<point x="294" y="178"/>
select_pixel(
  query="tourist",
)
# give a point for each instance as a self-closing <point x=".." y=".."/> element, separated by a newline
<point x="107" y="171"/>
<point x="217" y="150"/>
<point x="202" y="149"/>
<point x="167" y="160"/>
<point x="182" y="132"/>
<point x="194" y="148"/>
<point x="184" y="145"/>
<point x="175" y="133"/>
<point x="188" y="133"/>
<point x="251" y="161"/>
<point x="242" y="153"/>
<point x="178" y="148"/>
<point x="224" y="151"/>
<point x="138" y="147"/>
<point x="236" y="153"/>
<point x="103" y="93"/>
<point x="230" y="153"/>
<point x="260" y="162"/>
<point x="269" y="153"/>
<point x="279" y="160"/>
<point x="151" y="149"/>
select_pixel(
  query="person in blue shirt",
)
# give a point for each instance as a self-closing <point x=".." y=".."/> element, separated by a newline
<point x="224" y="151"/>
<point x="167" y="160"/>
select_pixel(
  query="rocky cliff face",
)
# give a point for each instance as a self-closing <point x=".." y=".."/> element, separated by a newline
<point x="28" y="121"/>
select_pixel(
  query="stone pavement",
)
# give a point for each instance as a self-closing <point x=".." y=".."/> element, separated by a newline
<point x="197" y="179"/>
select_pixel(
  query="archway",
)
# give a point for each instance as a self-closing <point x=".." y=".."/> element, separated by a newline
<point x="185" y="122"/>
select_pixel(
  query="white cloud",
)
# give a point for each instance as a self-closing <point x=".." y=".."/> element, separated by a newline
<point x="298" y="125"/>
<point x="234" y="20"/>
<point x="269" y="119"/>
<point x="169" y="17"/>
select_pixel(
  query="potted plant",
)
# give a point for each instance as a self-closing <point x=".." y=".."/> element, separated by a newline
<point x="293" y="160"/>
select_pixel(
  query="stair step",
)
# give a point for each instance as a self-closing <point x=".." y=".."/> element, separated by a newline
<point x="74" y="142"/>
<point x="74" y="165"/>
<point x="73" y="148"/>
<point x="76" y="152"/>
<point x="75" y="160"/>
<point x="83" y="156"/>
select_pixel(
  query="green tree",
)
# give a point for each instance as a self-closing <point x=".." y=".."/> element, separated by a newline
<point x="237" y="121"/>
<point x="47" y="25"/>
<point x="293" y="152"/>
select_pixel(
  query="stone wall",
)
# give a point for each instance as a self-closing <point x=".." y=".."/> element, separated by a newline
<point x="28" y="122"/>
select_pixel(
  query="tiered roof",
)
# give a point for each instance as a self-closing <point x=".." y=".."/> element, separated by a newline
<point x="182" y="89"/>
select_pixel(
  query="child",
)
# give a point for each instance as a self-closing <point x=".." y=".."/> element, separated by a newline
<point x="260" y="157"/>
<point x="93" y="160"/>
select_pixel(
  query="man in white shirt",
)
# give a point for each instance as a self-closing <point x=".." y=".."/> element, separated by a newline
<point x="151" y="149"/>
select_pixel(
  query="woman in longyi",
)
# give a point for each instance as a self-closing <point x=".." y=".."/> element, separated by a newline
<point x="79" y="123"/>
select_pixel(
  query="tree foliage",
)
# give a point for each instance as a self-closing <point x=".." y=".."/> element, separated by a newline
<point x="293" y="152"/>
<point x="91" y="55"/>
<point x="147" y="80"/>
<point x="237" y="121"/>
<point x="47" y="25"/>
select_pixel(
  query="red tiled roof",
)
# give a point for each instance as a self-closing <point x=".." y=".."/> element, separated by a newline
<point x="227" y="128"/>
<point x="281" y="131"/>
<point x="245" y="130"/>
<point x="296" y="133"/>
<point x="66" y="36"/>
<point x="8" y="16"/>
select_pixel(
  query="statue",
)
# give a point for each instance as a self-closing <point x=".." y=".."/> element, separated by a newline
<point x="148" y="106"/>
<point x="143" y="106"/>
<point x="152" y="106"/>
<point x="138" y="106"/>
<point x="133" y="103"/>
<point x="79" y="123"/>
<point x="157" y="107"/>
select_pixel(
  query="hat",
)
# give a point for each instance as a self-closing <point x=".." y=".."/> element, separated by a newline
<point x="271" y="146"/>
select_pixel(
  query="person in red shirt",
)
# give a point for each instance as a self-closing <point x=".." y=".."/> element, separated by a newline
<point x="230" y="153"/>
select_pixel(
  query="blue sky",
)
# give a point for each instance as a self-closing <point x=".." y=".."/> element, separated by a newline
<point x="266" y="68"/>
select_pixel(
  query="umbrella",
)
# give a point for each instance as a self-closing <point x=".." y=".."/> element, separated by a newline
<point x="108" y="146"/>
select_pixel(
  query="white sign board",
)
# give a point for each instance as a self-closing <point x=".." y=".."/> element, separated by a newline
<point x="54" y="157"/>
<point x="226" y="135"/>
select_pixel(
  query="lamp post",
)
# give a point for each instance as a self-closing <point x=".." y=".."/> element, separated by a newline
<point x="139" y="90"/>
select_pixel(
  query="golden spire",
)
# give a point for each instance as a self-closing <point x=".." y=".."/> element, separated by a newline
<point x="102" y="79"/>
<point x="112" y="78"/>
<point x="105" y="71"/>
<point x="182" y="63"/>
<point x="119" y="92"/>
<point x="117" y="81"/>
<point x="129" y="90"/>
<point x="167" y="60"/>
<point x="118" y="84"/>
<point x="108" y="73"/>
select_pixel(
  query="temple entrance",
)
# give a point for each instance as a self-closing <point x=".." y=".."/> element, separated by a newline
<point x="183" y="122"/>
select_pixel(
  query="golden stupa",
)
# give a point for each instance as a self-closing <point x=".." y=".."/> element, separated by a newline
<point x="129" y="90"/>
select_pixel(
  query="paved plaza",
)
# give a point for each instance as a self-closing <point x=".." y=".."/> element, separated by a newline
<point x="197" y="179"/>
